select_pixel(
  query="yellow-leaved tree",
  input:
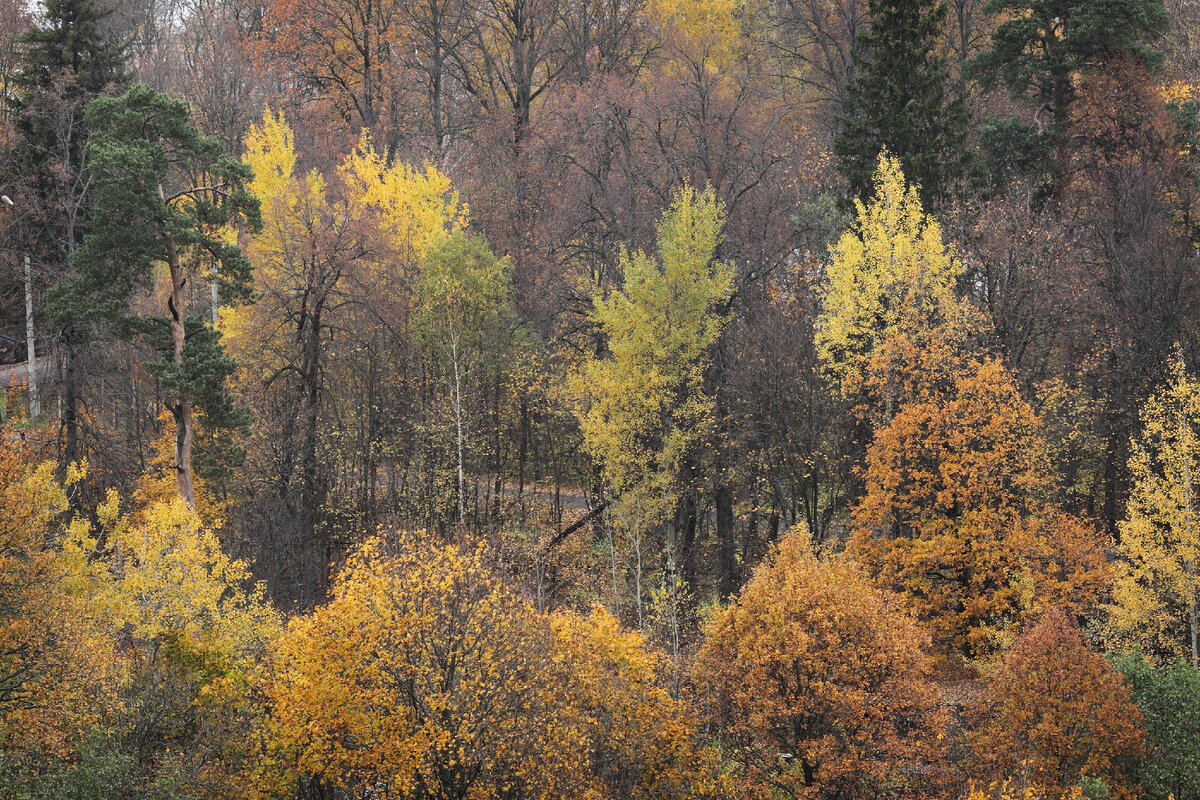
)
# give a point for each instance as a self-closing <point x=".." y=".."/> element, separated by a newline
<point x="423" y="677"/>
<point x="418" y="207"/>
<point x="193" y="638"/>
<point x="646" y="413"/>
<point x="1155" y="598"/>
<point x="638" y="741"/>
<point x="58" y="667"/>
<point x="336" y="264"/>
<point x="890" y="316"/>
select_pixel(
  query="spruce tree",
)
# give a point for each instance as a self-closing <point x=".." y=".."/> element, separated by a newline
<point x="66" y="62"/>
<point x="899" y="103"/>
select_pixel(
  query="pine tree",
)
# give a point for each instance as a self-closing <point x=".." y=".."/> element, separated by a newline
<point x="165" y="194"/>
<point x="66" y="62"/>
<point x="898" y="103"/>
<point x="1037" y="52"/>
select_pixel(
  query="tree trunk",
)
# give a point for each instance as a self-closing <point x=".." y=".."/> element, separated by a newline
<point x="35" y="404"/>
<point x="182" y="410"/>
<point x="725" y="540"/>
<point x="458" y="423"/>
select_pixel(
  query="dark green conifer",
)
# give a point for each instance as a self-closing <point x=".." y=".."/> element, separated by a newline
<point x="164" y="194"/>
<point x="66" y="61"/>
<point x="1037" y="52"/>
<point x="899" y="103"/>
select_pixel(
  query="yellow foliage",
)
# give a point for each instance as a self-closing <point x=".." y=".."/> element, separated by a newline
<point x="270" y="151"/>
<point x="423" y="671"/>
<point x="418" y="207"/>
<point x="57" y="666"/>
<point x="890" y="267"/>
<point x="1155" y="597"/>
<point x="170" y="579"/>
<point x="703" y="26"/>
<point x="157" y="485"/>
<point x="1007" y="791"/>
<point x="641" y="742"/>
<point x="646" y="407"/>
<point x="1180" y="92"/>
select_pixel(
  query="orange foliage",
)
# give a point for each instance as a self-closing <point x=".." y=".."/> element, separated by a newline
<point x="817" y="684"/>
<point x="52" y="665"/>
<point x="956" y="514"/>
<point x="1055" y="712"/>
<point x="423" y="676"/>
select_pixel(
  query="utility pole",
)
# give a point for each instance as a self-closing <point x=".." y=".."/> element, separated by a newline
<point x="35" y="403"/>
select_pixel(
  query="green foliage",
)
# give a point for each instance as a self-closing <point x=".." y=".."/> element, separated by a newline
<point x="463" y="295"/>
<point x="145" y="149"/>
<point x="65" y="62"/>
<point x="1038" y="50"/>
<point x="899" y="103"/>
<point x="164" y="194"/>
<point x="1169" y="698"/>
<point x="72" y="39"/>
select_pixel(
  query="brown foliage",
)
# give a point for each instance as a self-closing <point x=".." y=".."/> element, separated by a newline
<point x="1055" y="712"/>
<point x="818" y="684"/>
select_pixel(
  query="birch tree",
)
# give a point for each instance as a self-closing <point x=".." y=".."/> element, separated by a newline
<point x="1155" y="604"/>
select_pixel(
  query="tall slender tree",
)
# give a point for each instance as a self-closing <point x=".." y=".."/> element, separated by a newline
<point x="165" y="194"/>
<point x="65" y="62"/>
<point x="898" y="102"/>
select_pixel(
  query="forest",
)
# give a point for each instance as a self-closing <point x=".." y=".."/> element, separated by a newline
<point x="600" y="399"/>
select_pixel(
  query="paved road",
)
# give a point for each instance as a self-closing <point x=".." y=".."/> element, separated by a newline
<point x="16" y="374"/>
<point x="570" y="497"/>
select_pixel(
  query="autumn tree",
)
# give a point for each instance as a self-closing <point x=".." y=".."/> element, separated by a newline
<point x="891" y="274"/>
<point x="647" y="412"/>
<point x="1134" y="287"/>
<point x="1155" y="598"/>
<point x="957" y="514"/>
<point x="163" y="193"/>
<point x="346" y="51"/>
<point x="464" y="313"/>
<point x="56" y="665"/>
<point x="1055" y="712"/>
<point x="191" y="636"/>
<point x="423" y="676"/>
<point x="329" y="353"/>
<point x="818" y="684"/>
<point x="820" y="39"/>
<point x="301" y="257"/>
<point x="639" y="740"/>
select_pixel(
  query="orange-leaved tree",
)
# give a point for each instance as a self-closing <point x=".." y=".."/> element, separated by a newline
<point x="1053" y="713"/>
<point x="423" y="677"/>
<point x="639" y="741"/>
<point x="818" y="685"/>
<point x="957" y="515"/>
